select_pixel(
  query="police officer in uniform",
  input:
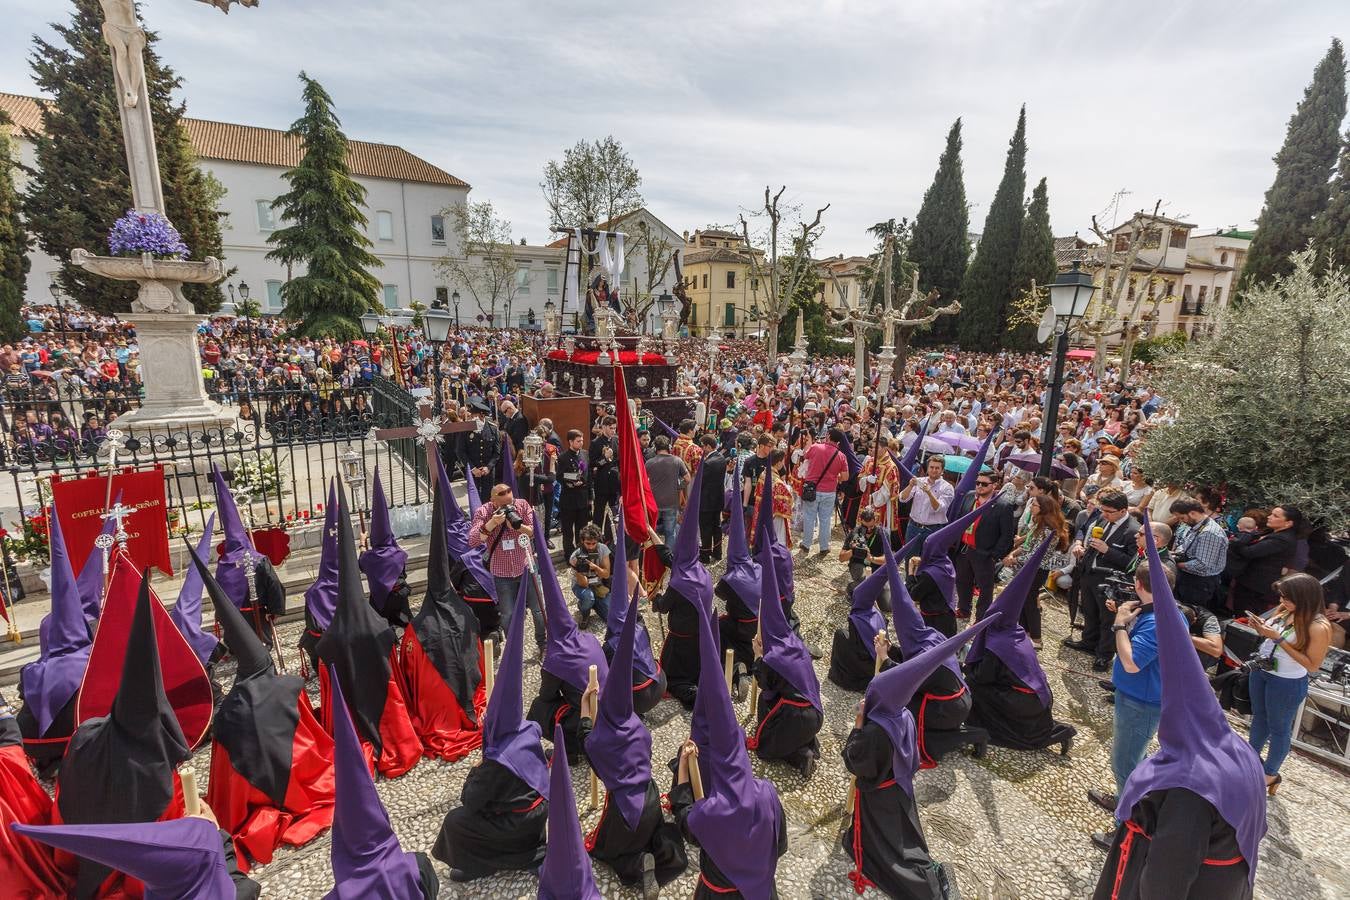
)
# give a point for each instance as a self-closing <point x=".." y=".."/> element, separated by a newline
<point x="480" y="449"/>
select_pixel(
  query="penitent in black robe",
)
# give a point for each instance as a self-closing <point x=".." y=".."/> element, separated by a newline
<point x="621" y="847"/>
<point x="788" y="723"/>
<point x="498" y="825"/>
<point x="884" y="838"/>
<point x="940" y="707"/>
<point x="558" y="703"/>
<point x="679" y="654"/>
<point x="933" y="606"/>
<point x="479" y="600"/>
<point x="712" y="884"/>
<point x="852" y="664"/>
<point x="47" y="749"/>
<point x="736" y="631"/>
<point x="1011" y="712"/>
<point x="1176" y="845"/>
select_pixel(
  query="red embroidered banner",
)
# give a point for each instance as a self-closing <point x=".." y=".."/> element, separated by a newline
<point x="80" y="505"/>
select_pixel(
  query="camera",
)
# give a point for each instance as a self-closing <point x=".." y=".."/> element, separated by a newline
<point x="1120" y="588"/>
<point x="512" y="517"/>
<point x="584" y="560"/>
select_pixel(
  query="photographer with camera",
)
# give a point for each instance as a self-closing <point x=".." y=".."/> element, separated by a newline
<point x="590" y="564"/>
<point x="1109" y="548"/>
<point x="1138" y="680"/>
<point x="864" y="552"/>
<point x="505" y="526"/>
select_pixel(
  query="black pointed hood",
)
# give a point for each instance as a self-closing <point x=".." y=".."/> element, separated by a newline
<point x="358" y="641"/>
<point x="249" y="652"/>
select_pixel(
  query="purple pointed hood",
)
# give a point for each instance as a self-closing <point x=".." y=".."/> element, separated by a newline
<point x="850" y="456"/>
<point x="967" y="482"/>
<point x="913" y="634"/>
<point x="688" y="577"/>
<point x="906" y="463"/>
<point x="473" y="499"/>
<point x="935" y="559"/>
<point x="620" y="746"/>
<point x="569" y="652"/>
<point x="619" y="591"/>
<point x="1009" y="641"/>
<point x="742" y="576"/>
<point x="187" y="612"/>
<point x="181" y="859"/>
<point x="736" y="822"/>
<point x="321" y="596"/>
<point x="1198" y="750"/>
<point x="508" y="738"/>
<point x="230" y="570"/>
<point x="566" y="872"/>
<point x="507" y="466"/>
<point x="783" y="647"/>
<point x="864" y="615"/>
<point x="889" y="694"/>
<point x="384" y="560"/>
<point x="366" y="857"/>
<point x="457" y="537"/>
<point x="90" y="580"/>
<point x="779" y="553"/>
<point x="63" y="653"/>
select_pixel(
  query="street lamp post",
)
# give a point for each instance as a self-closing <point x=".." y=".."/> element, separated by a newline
<point x="243" y="295"/>
<point x="1069" y="297"/>
<point x="713" y="341"/>
<point x="436" y="327"/>
<point x="60" y="307"/>
<point x="454" y="298"/>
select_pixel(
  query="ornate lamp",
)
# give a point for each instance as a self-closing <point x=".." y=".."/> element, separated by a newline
<point x="370" y="323"/>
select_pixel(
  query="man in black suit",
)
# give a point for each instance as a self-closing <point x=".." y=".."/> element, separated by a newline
<point x="989" y="538"/>
<point x="604" y="459"/>
<point x="480" y="449"/>
<point x="513" y="423"/>
<point x="1101" y="556"/>
<point x="575" y="503"/>
<point x="711" y="499"/>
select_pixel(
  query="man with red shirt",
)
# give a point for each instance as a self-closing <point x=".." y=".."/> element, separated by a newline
<point x="988" y="539"/>
<point x="823" y="465"/>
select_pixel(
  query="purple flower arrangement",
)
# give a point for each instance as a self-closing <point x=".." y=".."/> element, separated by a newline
<point x="137" y="232"/>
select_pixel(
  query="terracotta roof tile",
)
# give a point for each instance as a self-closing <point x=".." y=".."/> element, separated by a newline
<point x="268" y="146"/>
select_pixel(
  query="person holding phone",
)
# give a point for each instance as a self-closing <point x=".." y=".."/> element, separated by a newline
<point x="1297" y="637"/>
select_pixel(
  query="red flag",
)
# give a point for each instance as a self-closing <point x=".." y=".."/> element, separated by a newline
<point x="639" y="506"/>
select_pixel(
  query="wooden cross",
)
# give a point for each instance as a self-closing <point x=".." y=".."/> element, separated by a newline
<point x="429" y="428"/>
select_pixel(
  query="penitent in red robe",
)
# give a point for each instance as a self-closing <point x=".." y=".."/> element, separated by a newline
<point x="439" y="718"/>
<point x="27" y="869"/>
<point x="400" y="748"/>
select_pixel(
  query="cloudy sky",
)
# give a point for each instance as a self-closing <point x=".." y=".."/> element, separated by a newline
<point x="846" y="102"/>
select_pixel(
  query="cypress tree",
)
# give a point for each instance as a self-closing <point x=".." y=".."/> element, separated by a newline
<point x="13" y="244"/>
<point x="81" y="185"/>
<point x="1333" y="225"/>
<point x="940" y="242"/>
<point x="1303" y="168"/>
<point x="1035" y="261"/>
<point x="987" y="288"/>
<point x="326" y="228"/>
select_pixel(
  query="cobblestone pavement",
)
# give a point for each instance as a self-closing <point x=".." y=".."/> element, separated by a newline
<point x="1012" y="825"/>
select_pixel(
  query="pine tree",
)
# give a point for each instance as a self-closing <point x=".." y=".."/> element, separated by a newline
<point x="1303" y="169"/>
<point x="326" y="228"/>
<point x="1035" y="261"/>
<point x="82" y="187"/>
<point x="987" y="288"/>
<point x="1333" y="225"/>
<point x="14" y="243"/>
<point x="940" y="242"/>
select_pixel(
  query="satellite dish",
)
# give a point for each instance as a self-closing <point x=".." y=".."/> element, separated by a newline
<point x="1047" y="326"/>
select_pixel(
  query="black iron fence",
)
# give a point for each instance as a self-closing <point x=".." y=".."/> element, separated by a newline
<point x="280" y="450"/>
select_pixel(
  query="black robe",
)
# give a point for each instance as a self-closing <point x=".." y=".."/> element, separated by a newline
<point x="940" y="707"/>
<point x="647" y="692"/>
<point x="47" y="749"/>
<point x="479" y="600"/>
<point x="558" y="703"/>
<point x="679" y="654"/>
<point x="852" y="664"/>
<point x="498" y="825"/>
<point x="736" y="631"/>
<point x="712" y="884"/>
<point x="788" y="723"/>
<point x="397" y="611"/>
<point x="614" y="843"/>
<point x="1011" y="712"/>
<point x="884" y="837"/>
<point x="1175" y="845"/>
<point x="932" y="605"/>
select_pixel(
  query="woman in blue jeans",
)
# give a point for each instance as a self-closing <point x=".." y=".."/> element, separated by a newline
<point x="1297" y="636"/>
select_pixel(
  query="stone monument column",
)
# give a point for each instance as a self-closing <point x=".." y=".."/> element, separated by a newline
<point x="166" y="323"/>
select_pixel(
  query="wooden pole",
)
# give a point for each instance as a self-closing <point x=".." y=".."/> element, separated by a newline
<point x="695" y="778"/>
<point x="192" y="802"/>
<point x="728" y="666"/>
<point x="754" y="682"/>
<point x="7" y="608"/>
<point x="593" y="682"/>
<point x="489" y="672"/>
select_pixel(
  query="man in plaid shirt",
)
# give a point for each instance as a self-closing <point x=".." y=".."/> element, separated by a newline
<point x="508" y="553"/>
<point x="1200" y="551"/>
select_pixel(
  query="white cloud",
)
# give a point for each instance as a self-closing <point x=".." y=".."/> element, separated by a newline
<point x="845" y="102"/>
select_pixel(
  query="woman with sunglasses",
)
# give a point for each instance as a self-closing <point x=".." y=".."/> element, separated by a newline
<point x="1297" y="637"/>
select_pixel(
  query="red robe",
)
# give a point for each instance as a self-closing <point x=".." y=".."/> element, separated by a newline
<point x="28" y="869"/>
<point x="440" y="722"/>
<point x="402" y="749"/>
<point x="257" y="825"/>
